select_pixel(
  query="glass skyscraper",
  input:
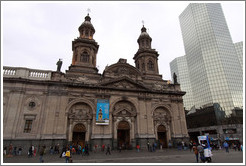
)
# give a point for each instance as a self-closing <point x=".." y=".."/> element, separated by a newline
<point x="180" y="68"/>
<point x="213" y="66"/>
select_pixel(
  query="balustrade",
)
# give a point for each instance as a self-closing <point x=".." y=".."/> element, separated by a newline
<point x="26" y="73"/>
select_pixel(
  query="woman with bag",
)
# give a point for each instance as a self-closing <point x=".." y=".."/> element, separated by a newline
<point x="67" y="155"/>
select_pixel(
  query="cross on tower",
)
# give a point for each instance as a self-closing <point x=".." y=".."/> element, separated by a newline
<point x="143" y="22"/>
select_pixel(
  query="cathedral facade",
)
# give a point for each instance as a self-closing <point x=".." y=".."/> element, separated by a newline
<point x="123" y="106"/>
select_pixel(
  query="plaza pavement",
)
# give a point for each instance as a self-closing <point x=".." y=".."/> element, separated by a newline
<point x="132" y="156"/>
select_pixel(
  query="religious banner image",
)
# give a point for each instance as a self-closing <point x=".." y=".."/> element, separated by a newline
<point x="102" y="116"/>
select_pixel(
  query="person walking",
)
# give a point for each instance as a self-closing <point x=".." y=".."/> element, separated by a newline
<point x="191" y="145"/>
<point x="87" y="150"/>
<point x="200" y="150"/>
<point x="195" y="150"/>
<point x="41" y="154"/>
<point x="67" y="155"/>
<point x="108" y="150"/>
<point x="30" y="154"/>
<point x="226" y="146"/>
<point x="138" y="147"/>
<point x="19" y="151"/>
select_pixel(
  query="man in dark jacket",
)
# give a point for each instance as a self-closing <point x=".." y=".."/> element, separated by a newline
<point x="41" y="153"/>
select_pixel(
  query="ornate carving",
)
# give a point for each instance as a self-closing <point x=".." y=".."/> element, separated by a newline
<point x="82" y="79"/>
<point x="80" y="112"/>
<point x="124" y="109"/>
<point x="32" y="103"/>
<point x="161" y="116"/>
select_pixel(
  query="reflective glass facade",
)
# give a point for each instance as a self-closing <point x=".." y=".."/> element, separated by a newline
<point x="239" y="50"/>
<point x="215" y="73"/>
<point x="180" y="68"/>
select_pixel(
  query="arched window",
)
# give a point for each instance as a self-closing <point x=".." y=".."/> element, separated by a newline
<point x="86" y="33"/>
<point x="150" y="65"/>
<point x="84" y="57"/>
<point x="143" y="66"/>
<point x="142" y="43"/>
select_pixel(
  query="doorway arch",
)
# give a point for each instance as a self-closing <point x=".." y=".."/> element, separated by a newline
<point x="123" y="134"/>
<point x="79" y="132"/>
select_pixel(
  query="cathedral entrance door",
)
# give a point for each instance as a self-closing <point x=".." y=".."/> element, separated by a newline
<point x="123" y="135"/>
<point x="79" y="135"/>
<point x="161" y="132"/>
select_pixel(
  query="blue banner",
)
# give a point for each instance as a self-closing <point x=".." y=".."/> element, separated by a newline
<point x="102" y="116"/>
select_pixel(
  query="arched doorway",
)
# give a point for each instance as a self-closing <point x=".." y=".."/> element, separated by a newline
<point x="123" y="134"/>
<point x="162" y="136"/>
<point x="79" y="131"/>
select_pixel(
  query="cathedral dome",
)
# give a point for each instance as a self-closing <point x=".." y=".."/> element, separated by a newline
<point x="86" y="26"/>
<point x="144" y="34"/>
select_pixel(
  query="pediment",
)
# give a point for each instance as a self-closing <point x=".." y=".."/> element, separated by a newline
<point x="124" y="83"/>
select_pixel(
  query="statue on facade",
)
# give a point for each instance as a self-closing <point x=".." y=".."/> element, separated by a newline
<point x="59" y="64"/>
<point x="175" y="78"/>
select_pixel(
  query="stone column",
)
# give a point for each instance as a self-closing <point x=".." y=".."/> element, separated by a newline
<point x="70" y="134"/>
<point x="87" y="134"/>
<point x="115" y="128"/>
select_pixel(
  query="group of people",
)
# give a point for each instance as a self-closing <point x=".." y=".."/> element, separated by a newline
<point x="12" y="151"/>
<point x="68" y="151"/>
<point x="153" y="147"/>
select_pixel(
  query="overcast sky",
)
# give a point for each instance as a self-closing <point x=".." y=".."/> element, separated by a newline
<point x="36" y="34"/>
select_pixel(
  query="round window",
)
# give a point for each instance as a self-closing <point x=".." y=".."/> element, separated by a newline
<point x="32" y="104"/>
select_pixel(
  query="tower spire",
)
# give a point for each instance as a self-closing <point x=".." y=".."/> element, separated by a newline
<point x="146" y="58"/>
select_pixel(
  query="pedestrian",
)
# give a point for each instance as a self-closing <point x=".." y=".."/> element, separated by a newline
<point x="5" y="150"/>
<point x="183" y="144"/>
<point x="95" y="148"/>
<point x="108" y="150"/>
<point x="153" y="146"/>
<point x="191" y="145"/>
<point x="67" y="155"/>
<point x="30" y="154"/>
<point x="138" y="147"/>
<point x="34" y="152"/>
<point x="19" y="151"/>
<point x="103" y="147"/>
<point x="226" y="146"/>
<point x="235" y="147"/>
<point x="169" y="144"/>
<point x="15" y="151"/>
<point x="41" y="154"/>
<point x="148" y="145"/>
<point x="195" y="150"/>
<point x="63" y="150"/>
<point x="33" y="149"/>
<point x="160" y="146"/>
<point x="200" y="150"/>
<point x="87" y="150"/>
<point x="10" y="149"/>
<point x="83" y="151"/>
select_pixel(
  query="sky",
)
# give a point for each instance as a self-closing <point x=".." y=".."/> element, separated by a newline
<point x="36" y="34"/>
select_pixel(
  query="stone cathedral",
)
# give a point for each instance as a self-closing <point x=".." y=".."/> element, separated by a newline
<point x="124" y="106"/>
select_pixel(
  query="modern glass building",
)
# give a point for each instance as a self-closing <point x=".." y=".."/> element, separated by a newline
<point x="215" y="73"/>
<point x="180" y="68"/>
<point x="239" y="50"/>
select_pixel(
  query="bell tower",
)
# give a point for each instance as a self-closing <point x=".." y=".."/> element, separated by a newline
<point x="146" y="58"/>
<point x="85" y="50"/>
